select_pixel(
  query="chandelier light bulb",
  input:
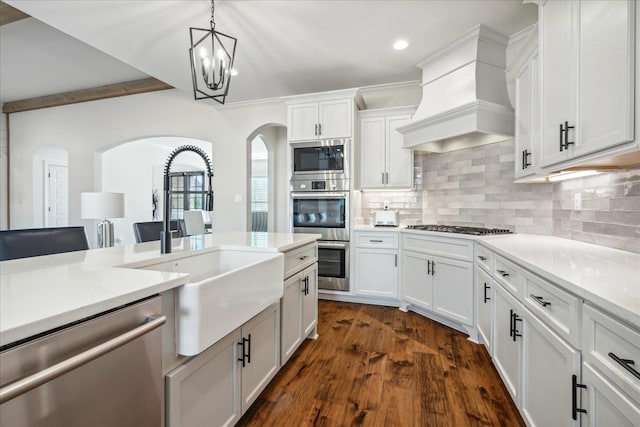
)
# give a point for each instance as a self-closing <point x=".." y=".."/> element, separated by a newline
<point x="203" y="52"/>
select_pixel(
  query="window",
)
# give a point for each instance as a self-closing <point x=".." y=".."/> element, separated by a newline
<point x="187" y="192"/>
<point x="260" y="194"/>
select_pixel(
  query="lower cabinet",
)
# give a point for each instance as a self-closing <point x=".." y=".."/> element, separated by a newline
<point x="603" y="403"/>
<point x="299" y="309"/>
<point x="376" y="272"/>
<point x="484" y="304"/>
<point x="216" y="387"/>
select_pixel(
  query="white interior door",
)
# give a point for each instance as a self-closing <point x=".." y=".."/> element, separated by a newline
<point x="56" y="195"/>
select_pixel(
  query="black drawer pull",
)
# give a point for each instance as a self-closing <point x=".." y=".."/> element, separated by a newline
<point x="540" y="300"/>
<point x="486" y="298"/>
<point x="302" y="258"/>
<point x="503" y="273"/>
<point x="375" y="241"/>
<point x="626" y="364"/>
<point x="428" y="267"/>
<point x="481" y="258"/>
<point x="574" y="397"/>
<point x="567" y="143"/>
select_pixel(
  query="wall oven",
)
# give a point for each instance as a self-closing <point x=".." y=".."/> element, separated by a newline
<point x="326" y="159"/>
<point x="322" y="207"/>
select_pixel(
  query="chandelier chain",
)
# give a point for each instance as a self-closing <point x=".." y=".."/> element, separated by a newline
<point x="213" y="9"/>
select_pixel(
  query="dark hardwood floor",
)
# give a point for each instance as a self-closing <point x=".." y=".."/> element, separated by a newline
<point x="378" y="366"/>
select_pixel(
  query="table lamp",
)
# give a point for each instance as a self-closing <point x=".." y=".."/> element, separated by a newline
<point x="102" y="206"/>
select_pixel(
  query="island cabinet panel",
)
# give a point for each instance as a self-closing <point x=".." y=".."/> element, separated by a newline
<point x="484" y="304"/>
<point x="218" y="385"/>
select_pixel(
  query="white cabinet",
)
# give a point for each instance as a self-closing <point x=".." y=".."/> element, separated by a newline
<point x="507" y="341"/>
<point x="548" y="366"/>
<point x="587" y="77"/>
<point x="299" y="309"/>
<point x="484" y="304"/>
<point x="375" y="260"/>
<point x="321" y="120"/>
<point x="299" y="305"/>
<point x="527" y="123"/>
<point x="259" y="353"/>
<point x="216" y="387"/>
<point x="432" y="281"/>
<point x="383" y="161"/>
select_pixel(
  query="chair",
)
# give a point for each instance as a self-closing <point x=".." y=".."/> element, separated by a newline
<point x="259" y="221"/>
<point x="193" y="223"/>
<point x="150" y="231"/>
<point x="32" y="242"/>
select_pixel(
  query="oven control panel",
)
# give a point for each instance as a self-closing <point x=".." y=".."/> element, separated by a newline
<point x="322" y="185"/>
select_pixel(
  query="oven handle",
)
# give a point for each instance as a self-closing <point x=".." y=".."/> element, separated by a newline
<point x="333" y="245"/>
<point x="316" y="195"/>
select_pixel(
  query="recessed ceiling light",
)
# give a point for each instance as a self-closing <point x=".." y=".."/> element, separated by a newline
<point x="400" y="44"/>
<point x="234" y="72"/>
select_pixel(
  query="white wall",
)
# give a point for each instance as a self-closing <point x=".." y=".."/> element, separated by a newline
<point x="4" y="174"/>
<point x="86" y="128"/>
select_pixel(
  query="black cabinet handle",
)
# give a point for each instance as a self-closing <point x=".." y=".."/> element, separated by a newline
<point x="561" y="142"/>
<point x="503" y="273"/>
<point x="305" y="289"/>
<point x="302" y="258"/>
<point x="626" y="364"/>
<point x="514" y="331"/>
<point x="246" y="351"/>
<point x="481" y="258"/>
<point x="525" y="159"/>
<point x="319" y="129"/>
<point x="540" y="300"/>
<point x="511" y="322"/>
<point x="396" y="261"/>
<point x="428" y="268"/>
<point x="316" y="131"/>
<point x="574" y="397"/>
<point x="375" y="241"/>
<point x="486" y="298"/>
<point x="567" y="143"/>
<point x="433" y="268"/>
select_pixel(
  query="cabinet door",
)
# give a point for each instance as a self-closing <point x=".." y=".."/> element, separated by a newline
<point x="399" y="160"/>
<point x="263" y="350"/>
<point x="335" y="119"/>
<point x="453" y="289"/>
<point x="417" y="285"/>
<point x="372" y="152"/>
<point x="484" y="304"/>
<point x="507" y="353"/>
<point x="548" y="366"/>
<point x="291" y="316"/>
<point x="526" y="117"/>
<point x="206" y="389"/>
<point x="310" y="301"/>
<point x="604" y="403"/>
<point x="303" y="122"/>
<point x="606" y="89"/>
<point x="558" y="55"/>
<point x="376" y="272"/>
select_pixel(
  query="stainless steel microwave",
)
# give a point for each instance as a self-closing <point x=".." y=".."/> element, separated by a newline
<point x="326" y="159"/>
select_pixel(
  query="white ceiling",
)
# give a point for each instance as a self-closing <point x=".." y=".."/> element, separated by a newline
<point x="284" y="47"/>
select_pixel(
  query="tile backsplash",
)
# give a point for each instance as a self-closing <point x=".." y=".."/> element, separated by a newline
<point x="475" y="187"/>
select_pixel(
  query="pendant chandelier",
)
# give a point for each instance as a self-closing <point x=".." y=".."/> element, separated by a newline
<point x="212" y="54"/>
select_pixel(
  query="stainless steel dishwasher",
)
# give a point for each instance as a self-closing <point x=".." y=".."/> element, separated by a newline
<point x="102" y="371"/>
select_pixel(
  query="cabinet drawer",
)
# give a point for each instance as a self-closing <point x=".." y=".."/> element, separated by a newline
<point x="508" y="275"/>
<point x="555" y="307"/>
<point x="370" y="240"/>
<point x="484" y="258"/>
<point x="300" y="258"/>
<point x="604" y="340"/>
<point x="458" y="248"/>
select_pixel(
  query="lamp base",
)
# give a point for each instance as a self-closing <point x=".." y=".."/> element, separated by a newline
<point x="105" y="234"/>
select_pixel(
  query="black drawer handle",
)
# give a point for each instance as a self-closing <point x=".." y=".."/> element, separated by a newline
<point x="503" y="273"/>
<point x="626" y="364"/>
<point x="540" y="300"/>
<point x="486" y="298"/>
<point x="574" y="397"/>
<point x="481" y="258"/>
<point x="375" y="241"/>
<point x="302" y="258"/>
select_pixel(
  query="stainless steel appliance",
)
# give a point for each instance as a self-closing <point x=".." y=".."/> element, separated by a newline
<point x="326" y="159"/>
<point x="476" y="231"/>
<point x="105" y="371"/>
<point x="322" y="206"/>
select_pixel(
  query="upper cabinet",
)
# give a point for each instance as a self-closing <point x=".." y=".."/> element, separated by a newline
<point x="383" y="161"/>
<point x="587" y="57"/>
<point x="321" y="116"/>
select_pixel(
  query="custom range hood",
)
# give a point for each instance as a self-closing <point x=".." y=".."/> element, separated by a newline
<point x="464" y="95"/>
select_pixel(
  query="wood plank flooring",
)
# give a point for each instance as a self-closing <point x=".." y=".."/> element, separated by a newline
<point x="378" y="366"/>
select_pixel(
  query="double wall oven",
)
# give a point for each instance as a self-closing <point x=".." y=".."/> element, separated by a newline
<point x="320" y="204"/>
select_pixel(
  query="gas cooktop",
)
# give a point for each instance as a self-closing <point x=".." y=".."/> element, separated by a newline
<point x="476" y="231"/>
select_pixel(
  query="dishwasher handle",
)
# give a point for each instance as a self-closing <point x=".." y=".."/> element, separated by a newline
<point x="24" y="385"/>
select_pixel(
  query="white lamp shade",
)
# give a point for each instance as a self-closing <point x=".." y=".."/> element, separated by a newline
<point x="101" y="205"/>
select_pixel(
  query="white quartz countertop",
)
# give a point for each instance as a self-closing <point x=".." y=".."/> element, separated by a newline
<point x="608" y="278"/>
<point x="42" y="293"/>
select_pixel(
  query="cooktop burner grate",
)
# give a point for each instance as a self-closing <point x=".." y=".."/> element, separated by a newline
<point x="476" y="231"/>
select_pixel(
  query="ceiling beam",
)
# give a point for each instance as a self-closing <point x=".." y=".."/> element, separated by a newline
<point x="83" y="95"/>
<point x="9" y="14"/>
